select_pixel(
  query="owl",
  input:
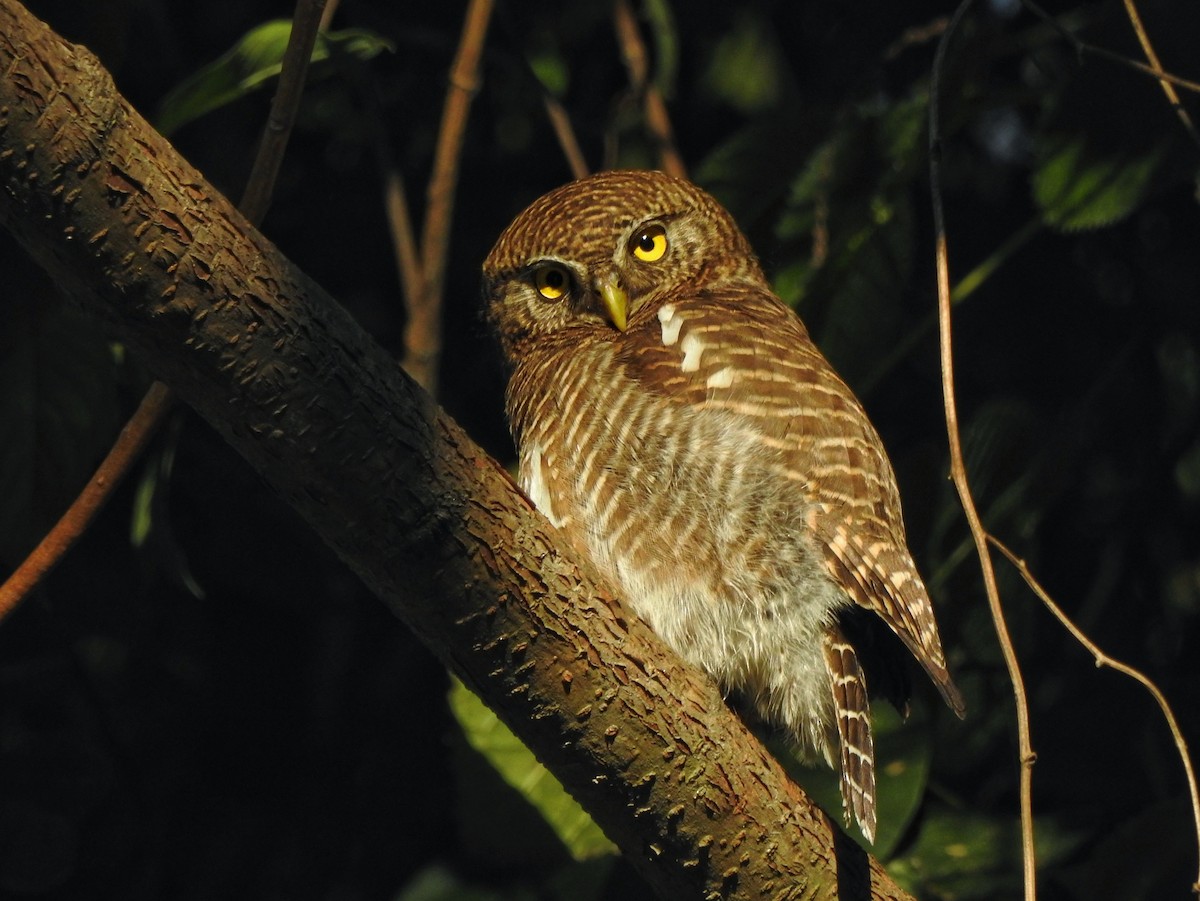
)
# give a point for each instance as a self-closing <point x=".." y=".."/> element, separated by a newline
<point x="676" y="423"/>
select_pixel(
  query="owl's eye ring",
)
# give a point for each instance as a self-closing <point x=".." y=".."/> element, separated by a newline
<point x="552" y="281"/>
<point x="649" y="244"/>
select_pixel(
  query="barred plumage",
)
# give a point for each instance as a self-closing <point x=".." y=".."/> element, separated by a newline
<point x="675" y="421"/>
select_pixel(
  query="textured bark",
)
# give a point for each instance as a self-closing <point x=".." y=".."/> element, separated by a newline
<point x="429" y="522"/>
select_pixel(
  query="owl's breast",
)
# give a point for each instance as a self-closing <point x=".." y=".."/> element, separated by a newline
<point x="668" y="499"/>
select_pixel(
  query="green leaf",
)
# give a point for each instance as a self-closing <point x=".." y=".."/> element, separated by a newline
<point x="666" y="44"/>
<point x="150" y="526"/>
<point x="519" y="768"/>
<point x="902" y="754"/>
<point x="965" y="856"/>
<point x="1078" y="186"/>
<point x="250" y="63"/>
<point x="551" y="70"/>
<point x="747" y="68"/>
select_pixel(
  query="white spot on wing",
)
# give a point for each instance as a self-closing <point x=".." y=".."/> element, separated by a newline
<point x="670" y="323"/>
<point x="692" y="348"/>
<point x="722" y="378"/>
<point x="536" y="487"/>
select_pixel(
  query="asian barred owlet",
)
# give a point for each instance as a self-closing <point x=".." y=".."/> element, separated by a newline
<point x="675" y="421"/>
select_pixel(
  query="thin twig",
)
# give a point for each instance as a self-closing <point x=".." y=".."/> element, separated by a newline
<point x="654" y="107"/>
<point x="257" y="197"/>
<point x="1169" y="89"/>
<point x="561" y="123"/>
<point x="404" y="241"/>
<point x="396" y="208"/>
<point x="916" y="36"/>
<point x="1103" y="660"/>
<point x="958" y="470"/>
<point x="116" y="465"/>
<point x="1083" y="47"/>
<point x="158" y="400"/>
<point x="327" y="15"/>
<point x="423" y="332"/>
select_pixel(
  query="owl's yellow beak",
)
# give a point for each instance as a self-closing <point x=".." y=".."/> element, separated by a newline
<point x="616" y="301"/>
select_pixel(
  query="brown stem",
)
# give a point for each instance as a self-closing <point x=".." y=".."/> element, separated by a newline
<point x="1135" y="20"/>
<point x="958" y="469"/>
<point x="116" y="465"/>
<point x="423" y="333"/>
<point x="158" y="401"/>
<point x="306" y="22"/>
<point x="1137" y="675"/>
<point x="561" y="123"/>
<point x="654" y="107"/>
<point x="1082" y="47"/>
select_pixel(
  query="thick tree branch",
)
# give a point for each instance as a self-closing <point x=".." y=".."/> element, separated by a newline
<point x="432" y="525"/>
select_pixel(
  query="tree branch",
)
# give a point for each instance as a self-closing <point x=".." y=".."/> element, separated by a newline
<point x="431" y="524"/>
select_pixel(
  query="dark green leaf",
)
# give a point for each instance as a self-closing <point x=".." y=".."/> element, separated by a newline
<point x="1079" y="187"/>
<point x="250" y="63"/>
<point x="520" y="769"/>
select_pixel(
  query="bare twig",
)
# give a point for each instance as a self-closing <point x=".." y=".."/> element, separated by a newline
<point x="158" y="400"/>
<point x="261" y="183"/>
<point x="423" y="332"/>
<point x="654" y="108"/>
<point x="1169" y="89"/>
<point x="967" y="285"/>
<point x="404" y="241"/>
<point x="561" y="123"/>
<point x="125" y="451"/>
<point x="916" y="36"/>
<point x="958" y="470"/>
<point x="1083" y="47"/>
<point x="1103" y="660"/>
<point x="327" y="14"/>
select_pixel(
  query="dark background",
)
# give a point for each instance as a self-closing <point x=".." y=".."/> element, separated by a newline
<point x="217" y="709"/>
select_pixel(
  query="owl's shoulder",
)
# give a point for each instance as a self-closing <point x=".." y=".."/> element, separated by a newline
<point x="724" y="340"/>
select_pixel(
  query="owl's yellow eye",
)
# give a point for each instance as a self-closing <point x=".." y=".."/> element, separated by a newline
<point x="649" y="244"/>
<point x="551" y="281"/>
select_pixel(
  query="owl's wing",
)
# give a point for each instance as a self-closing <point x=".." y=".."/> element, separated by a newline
<point x="880" y="575"/>
<point x="747" y="354"/>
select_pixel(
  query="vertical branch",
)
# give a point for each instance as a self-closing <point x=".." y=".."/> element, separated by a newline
<point x="261" y="183"/>
<point x="327" y="14"/>
<point x="561" y="123"/>
<point x="423" y="333"/>
<point x="404" y="241"/>
<point x="654" y="107"/>
<point x="958" y="470"/>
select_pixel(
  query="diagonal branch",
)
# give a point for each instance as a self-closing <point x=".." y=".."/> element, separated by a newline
<point x="658" y="122"/>
<point x="432" y="525"/>
<point x="134" y="437"/>
<point x="158" y="401"/>
<point x="1168" y="88"/>
<point x="1102" y="659"/>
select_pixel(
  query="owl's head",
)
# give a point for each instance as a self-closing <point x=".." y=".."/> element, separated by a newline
<point x="608" y="250"/>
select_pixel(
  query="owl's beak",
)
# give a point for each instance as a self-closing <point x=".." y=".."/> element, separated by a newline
<point x="616" y="301"/>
